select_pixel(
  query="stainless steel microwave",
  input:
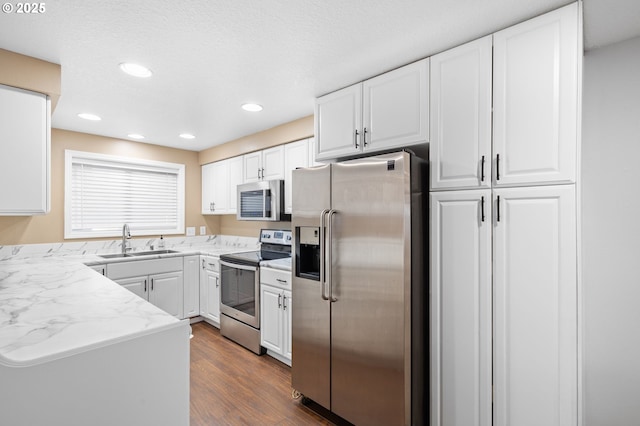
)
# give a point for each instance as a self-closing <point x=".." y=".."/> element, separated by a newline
<point x="263" y="200"/>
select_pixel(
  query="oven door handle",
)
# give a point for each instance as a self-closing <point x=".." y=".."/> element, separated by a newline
<point x="238" y="266"/>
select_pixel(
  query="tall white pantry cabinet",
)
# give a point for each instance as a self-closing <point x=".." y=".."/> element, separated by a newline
<point x="504" y="289"/>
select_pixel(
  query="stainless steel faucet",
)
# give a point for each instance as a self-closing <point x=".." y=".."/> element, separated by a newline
<point x="126" y="236"/>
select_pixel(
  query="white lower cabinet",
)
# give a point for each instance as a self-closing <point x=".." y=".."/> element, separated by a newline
<point x="461" y="308"/>
<point x="163" y="290"/>
<point x="535" y="306"/>
<point x="160" y="281"/>
<point x="525" y="336"/>
<point x="101" y="269"/>
<point x="191" y="297"/>
<point x="210" y="289"/>
<point x="275" y="313"/>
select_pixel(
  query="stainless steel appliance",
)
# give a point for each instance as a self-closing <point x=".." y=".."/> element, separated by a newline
<point x="240" y="288"/>
<point x="262" y="200"/>
<point x="359" y="320"/>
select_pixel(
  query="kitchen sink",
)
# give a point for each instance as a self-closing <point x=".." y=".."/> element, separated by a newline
<point x="140" y="253"/>
<point x="147" y="253"/>
<point x="114" y="256"/>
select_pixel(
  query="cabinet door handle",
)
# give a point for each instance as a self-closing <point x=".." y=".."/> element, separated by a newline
<point x="498" y="209"/>
<point x="279" y="299"/>
<point x="145" y="286"/>
<point x="482" y="169"/>
<point x="262" y="173"/>
<point x="482" y="209"/>
<point x="284" y="303"/>
<point x="217" y="282"/>
<point x="364" y="137"/>
<point x="355" y="138"/>
<point x="497" y="166"/>
<point x="151" y="284"/>
<point x="202" y="263"/>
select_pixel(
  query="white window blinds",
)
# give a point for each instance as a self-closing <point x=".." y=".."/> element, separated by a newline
<point x="102" y="193"/>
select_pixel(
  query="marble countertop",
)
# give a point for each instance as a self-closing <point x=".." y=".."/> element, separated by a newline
<point x="50" y="308"/>
<point x="52" y="304"/>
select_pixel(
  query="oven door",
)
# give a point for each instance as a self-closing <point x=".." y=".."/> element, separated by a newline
<point x="240" y="292"/>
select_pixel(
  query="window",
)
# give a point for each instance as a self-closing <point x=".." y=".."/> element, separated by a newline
<point x="103" y="192"/>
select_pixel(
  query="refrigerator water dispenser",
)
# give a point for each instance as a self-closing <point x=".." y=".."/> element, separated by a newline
<point x="308" y="252"/>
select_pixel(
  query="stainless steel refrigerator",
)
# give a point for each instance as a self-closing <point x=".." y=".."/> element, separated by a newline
<point x="359" y="320"/>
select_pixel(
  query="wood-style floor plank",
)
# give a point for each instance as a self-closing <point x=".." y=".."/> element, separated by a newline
<point x="233" y="386"/>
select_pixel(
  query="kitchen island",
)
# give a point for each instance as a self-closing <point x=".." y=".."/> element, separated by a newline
<point x="78" y="349"/>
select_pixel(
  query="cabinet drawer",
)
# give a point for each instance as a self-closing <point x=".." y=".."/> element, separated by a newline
<point x="144" y="267"/>
<point x="276" y="278"/>
<point x="210" y="263"/>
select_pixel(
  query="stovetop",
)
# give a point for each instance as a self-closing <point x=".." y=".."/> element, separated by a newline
<point x="275" y="244"/>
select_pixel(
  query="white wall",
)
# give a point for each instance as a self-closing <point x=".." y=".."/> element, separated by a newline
<point x="611" y="235"/>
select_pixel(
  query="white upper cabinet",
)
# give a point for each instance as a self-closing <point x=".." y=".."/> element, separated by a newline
<point x="460" y="141"/>
<point x="25" y="134"/>
<point x="387" y="111"/>
<point x="535" y="87"/>
<point x="396" y="108"/>
<point x="296" y="154"/>
<point x="264" y="165"/>
<point x="207" y="188"/>
<point x="338" y="122"/>
<point x="535" y="306"/>
<point x="219" y="182"/>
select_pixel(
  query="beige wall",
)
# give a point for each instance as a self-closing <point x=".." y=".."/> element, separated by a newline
<point x="50" y="228"/>
<point x="287" y="132"/>
<point x="30" y="73"/>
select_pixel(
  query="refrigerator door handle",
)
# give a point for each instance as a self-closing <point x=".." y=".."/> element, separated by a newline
<point x="331" y="214"/>
<point x="323" y="224"/>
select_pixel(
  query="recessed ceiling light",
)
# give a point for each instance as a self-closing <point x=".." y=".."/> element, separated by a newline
<point x="135" y="136"/>
<point x="135" y="70"/>
<point x="187" y="136"/>
<point x="252" y="107"/>
<point x="88" y="116"/>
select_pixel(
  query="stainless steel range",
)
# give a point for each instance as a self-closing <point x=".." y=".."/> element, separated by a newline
<point x="240" y="288"/>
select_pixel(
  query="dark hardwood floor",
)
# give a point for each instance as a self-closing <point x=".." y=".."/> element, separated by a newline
<point x="232" y="386"/>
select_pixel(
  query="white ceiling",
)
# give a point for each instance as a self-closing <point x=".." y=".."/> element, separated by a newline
<point x="210" y="56"/>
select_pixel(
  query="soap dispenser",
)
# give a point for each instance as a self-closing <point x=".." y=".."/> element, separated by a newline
<point x="161" y="242"/>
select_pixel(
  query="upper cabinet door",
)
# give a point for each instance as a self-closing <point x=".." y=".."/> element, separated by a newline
<point x="273" y="163"/>
<point x="296" y="154"/>
<point x="252" y="166"/>
<point x="461" y="116"/>
<point x="207" y="188"/>
<point x="220" y="187"/>
<point x="536" y="100"/>
<point x="338" y="123"/>
<point x="396" y="108"/>
<point x="24" y="152"/>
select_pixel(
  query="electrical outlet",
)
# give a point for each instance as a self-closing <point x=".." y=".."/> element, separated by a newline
<point x="203" y="230"/>
<point x="191" y="231"/>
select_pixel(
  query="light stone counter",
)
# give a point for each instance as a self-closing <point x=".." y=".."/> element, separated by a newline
<point x="50" y="308"/>
<point x="52" y="305"/>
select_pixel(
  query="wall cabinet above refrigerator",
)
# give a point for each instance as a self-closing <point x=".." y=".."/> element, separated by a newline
<point x="25" y="141"/>
<point x="384" y="112"/>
